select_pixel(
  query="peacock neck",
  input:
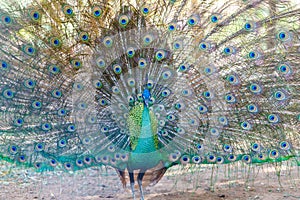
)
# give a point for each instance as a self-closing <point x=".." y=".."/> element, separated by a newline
<point x="142" y="125"/>
<point x="146" y="130"/>
<point x="146" y="142"/>
<point x="144" y="154"/>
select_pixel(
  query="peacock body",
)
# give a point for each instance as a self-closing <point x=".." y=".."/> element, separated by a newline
<point x="144" y="86"/>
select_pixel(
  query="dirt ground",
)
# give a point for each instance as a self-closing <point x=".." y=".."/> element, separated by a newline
<point x="187" y="183"/>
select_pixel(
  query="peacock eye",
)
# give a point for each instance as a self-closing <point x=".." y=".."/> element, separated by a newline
<point x="150" y="84"/>
<point x="115" y="90"/>
<point x="54" y="69"/>
<point x="284" y="69"/>
<point x="107" y="41"/>
<point x="29" y="50"/>
<point x="230" y="98"/>
<point x="78" y="86"/>
<point x="111" y="148"/>
<point x="130" y="52"/>
<point x="185" y="159"/>
<point x="117" y="69"/>
<point x="76" y="64"/>
<point x="273" y="118"/>
<point x="131" y="82"/>
<point x="232" y="79"/>
<point x="123" y="20"/>
<point x="229" y="50"/>
<point x="180" y="106"/>
<point x="35" y="15"/>
<point x="211" y="158"/>
<point x="196" y="159"/>
<point x="79" y="162"/>
<point x="202" y="109"/>
<point x="252" y="108"/>
<point x="219" y="160"/>
<point x="166" y="75"/>
<point x="46" y="126"/>
<point x="97" y="84"/>
<point x="279" y="95"/>
<point x="68" y="10"/>
<point x="255" y="147"/>
<point x="102" y="102"/>
<point x="87" y="160"/>
<point x="209" y="70"/>
<point x="62" y="142"/>
<point x="231" y="158"/>
<point x="145" y="10"/>
<point x="56" y="93"/>
<point x="227" y="148"/>
<point x="254" y="55"/>
<point x="147" y="39"/>
<point x="173" y="157"/>
<point x="18" y="122"/>
<point x="84" y="37"/>
<point x="183" y="68"/>
<point x="214" y="132"/>
<point x="214" y="19"/>
<point x="274" y="154"/>
<point x="246" y="159"/>
<point x="160" y="55"/>
<point x="130" y="99"/>
<point x="207" y="95"/>
<point x="13" y="149"/>
<point x="8" y="93"/>
<point x="61" y="112"/>
<point x="39" y="147"/>
<point x="68" y="166"/>
<point x="53" y="163"/>
<point x="4" y="65"/>
<point x="152" y="100"/>
<point x="96" y="11"/>
<point x="105" y="159"/>
<point x="180" y="130"/>
<point x="249" y="26"/>
<point x="172" y="27"/>
<point x="223" y="120"/>
<point x="283" y="36"/>
<point x="100" y="62"/>
<point x="6" y="19"/>
<point x="22" y="158"/>
<point x="71" y="128"/>
<point x="246" y="125"/>
<point x="142" y="63"/>
<point x="284" y="145"/>
<point x="177" y="45"/>
<point x="36" y="104"/>
<point x="204" y="46"/>
<point x="255" y="88"/>
<point x="193" y="20"/>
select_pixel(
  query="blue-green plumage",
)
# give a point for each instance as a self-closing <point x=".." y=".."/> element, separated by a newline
<point x="145" y="155"/>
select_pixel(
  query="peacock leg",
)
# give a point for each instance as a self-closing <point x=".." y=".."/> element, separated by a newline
<point x="131" y="177"/>
<point x="140" y="179"/>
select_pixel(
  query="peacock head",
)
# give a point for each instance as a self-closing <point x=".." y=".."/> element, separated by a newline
<point x="146" y="96"/>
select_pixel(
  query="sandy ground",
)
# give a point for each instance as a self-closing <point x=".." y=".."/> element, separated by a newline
<point x="234" y="182"/>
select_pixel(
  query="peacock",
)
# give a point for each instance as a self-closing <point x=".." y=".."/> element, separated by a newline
<point x="142" y="86"/>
